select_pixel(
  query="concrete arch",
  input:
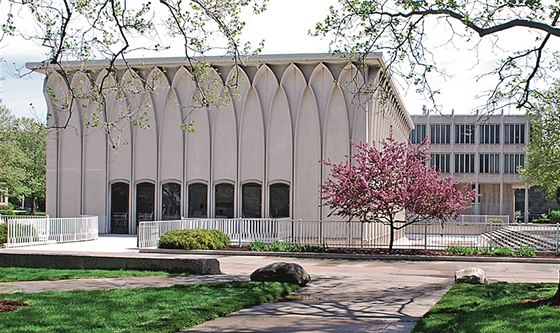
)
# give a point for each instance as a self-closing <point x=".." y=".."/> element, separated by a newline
<point x="265" y="83"/>
<point x="251" y="140"/>
<point x="336" y="139"/>
<point x="279" y="149"/>
<point x="224" y="144"/>
<point x="238" y="76"/>
<point x="307" y="154"/>
<point x="293" y="81"/>
<point x="322" y="83"/>
<point x="352" y="83"/>
<point x="94" y="170"/>
<point x="70" y="147"/>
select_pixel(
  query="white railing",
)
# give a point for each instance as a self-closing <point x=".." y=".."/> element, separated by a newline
<point x="240" y="231"/>
<point x="37" y="230"/>
<point x="429" y="235"/>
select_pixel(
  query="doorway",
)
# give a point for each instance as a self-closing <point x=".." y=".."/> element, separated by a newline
<point x="119" y="208"/>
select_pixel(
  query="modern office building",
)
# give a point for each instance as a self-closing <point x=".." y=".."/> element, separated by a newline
<point x="485" y="150"/>
<point x="256" y="155"/>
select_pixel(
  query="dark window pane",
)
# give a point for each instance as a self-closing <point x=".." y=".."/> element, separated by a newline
<point x="198" y="194"/>
<point x="145" y="202"/>
<point x="171" y="201"/>
<point x="251" y="200"/>
<point x="279" y="200"/>
<point x="224" y="201"/>
<point x="119" y="208"/>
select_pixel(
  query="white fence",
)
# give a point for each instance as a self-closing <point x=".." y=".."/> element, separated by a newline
<point x="240" y="231"/>
<point x="37" y="230"/>
<point x="430" y="235"/>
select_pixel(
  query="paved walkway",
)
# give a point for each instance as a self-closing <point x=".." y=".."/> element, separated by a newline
<point x="344" y="296"/>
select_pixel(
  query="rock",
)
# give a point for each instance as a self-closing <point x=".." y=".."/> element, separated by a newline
<point x="282" y="272"/>
<point x="470" y="275"/>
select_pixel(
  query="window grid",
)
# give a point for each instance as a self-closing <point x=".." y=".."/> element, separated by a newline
<point x="440" y="134"/>
<point x="490" y="134"/>
<point x="514" y="133"/>
<point x="440" y="162"/>
<point x="418" y="134"/>
<point x="464" y="133"/>
<point x="464" y="163"/>
<point x="489" y="163"/>
<point x="512" y="161"/>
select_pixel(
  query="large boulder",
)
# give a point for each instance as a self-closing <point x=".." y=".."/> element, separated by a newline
<point x="282" y="272"/>
<point x="472" y="275"/>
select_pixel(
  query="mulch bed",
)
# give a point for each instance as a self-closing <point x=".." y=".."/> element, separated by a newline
<point x="7" y="305"/>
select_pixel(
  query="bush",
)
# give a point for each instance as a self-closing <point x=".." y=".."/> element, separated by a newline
<point x="3" y="233"/>
<point x="194" y="240"/>
<point x="462" y="251"/>
<point x="554" y="213"/>
<point x="525" y="252"/>
<point x="502" y="252"/>
<point x="282" y="246"/>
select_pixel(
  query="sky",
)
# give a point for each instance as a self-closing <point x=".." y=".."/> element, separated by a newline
<point x="284" y="27"/>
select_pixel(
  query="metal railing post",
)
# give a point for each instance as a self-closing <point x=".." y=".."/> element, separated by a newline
<point x="239" y="230"/>
<point x="425" y="235"/>
<point x="557" y="236"/>
<point x="362" y="235"/>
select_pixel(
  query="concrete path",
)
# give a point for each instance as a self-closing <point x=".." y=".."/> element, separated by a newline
<point x="344" y="296"/>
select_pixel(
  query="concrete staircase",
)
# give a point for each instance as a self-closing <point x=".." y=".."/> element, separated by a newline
<point x="515" y="237"/>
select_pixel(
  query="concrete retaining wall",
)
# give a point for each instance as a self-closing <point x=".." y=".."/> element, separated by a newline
<point x="202" y="266"/>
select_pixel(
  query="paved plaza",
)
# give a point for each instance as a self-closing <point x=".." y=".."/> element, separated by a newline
<point x="344" y="295"/>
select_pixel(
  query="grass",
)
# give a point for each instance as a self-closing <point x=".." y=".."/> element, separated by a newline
<point x="135" y="310"/>
<point x="492" y="308"/>
<point x="11" y="274"/>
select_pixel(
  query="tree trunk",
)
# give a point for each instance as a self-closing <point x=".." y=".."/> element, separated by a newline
<point x="392" y="237"/>
<point x="33" y="204"/>
<point x="555" y="300"/>
<point x="558" y="195"/>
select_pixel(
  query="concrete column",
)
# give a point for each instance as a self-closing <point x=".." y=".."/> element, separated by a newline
<point x="501" y="210"/>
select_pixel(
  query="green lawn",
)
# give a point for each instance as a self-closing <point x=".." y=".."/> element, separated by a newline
<point x="492" y="308"/>
<point x="10" y="274"/>
<point x="134" y="310"/>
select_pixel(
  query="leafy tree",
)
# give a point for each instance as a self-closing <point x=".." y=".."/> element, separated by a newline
<point x="112" y="30"/>
<point x="543" y="152"/>
<point x="22" y="156"/>
<point x="379" y="185"/>
<point x="408" y="30"/>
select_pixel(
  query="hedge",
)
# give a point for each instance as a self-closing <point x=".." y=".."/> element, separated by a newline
<point x="194" y="240"/>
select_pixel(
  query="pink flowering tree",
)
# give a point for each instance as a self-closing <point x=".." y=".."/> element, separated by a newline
<point x="380" y="185"/>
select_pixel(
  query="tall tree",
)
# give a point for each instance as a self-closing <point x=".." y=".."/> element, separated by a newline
<point x="407" y="31"/>
<point x="393" y="185"/>
<point x="22" y="156"/>
<point x="543" y="152"/>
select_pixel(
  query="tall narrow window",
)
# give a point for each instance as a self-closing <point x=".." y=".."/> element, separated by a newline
<point x="489" y="163"/>
<point x="171" y="201"/>
<point x="441" y="162"/>
<point x="119" y="208"/>
<point x="224" y="201"/>
<point x="464" y="133"/>
<point x="279" y="200"/>
<point x="514" y="133"/>
<point x="440" y="134"/>
<point x="251" y="200"/>
<point x="145" y="202"/>
<point x="512" y="162"/>
<point x="198" y="198"/>
<point x="464" y="163"/>
<point x="418" y="133"/>
<point x="490" y="134"/>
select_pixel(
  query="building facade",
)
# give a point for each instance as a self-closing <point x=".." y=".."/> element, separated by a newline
<point x="483" y="150"/>
<point x="253" y="155"/>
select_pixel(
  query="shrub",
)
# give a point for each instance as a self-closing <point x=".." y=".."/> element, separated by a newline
<point x="461" y="251"/>
<point x="502" y="252"/>
<point x="257" y="246"/>
<point x="554" y="213"/>
<point x="525" y="252"/>
<point x="280" y="246"/>
<point x="194" y="240"/>
<point x="3" y="233"/>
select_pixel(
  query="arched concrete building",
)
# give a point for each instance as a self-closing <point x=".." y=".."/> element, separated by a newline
<point x="254" y="156"/>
